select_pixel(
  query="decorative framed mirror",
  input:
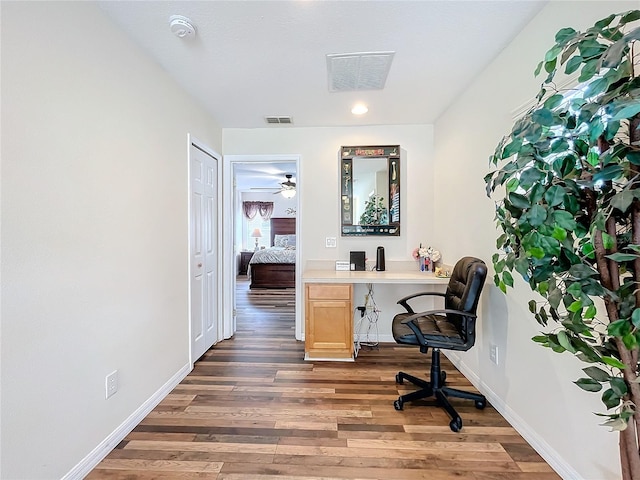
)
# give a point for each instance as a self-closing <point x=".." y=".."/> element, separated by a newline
<point x="370" y="190"/>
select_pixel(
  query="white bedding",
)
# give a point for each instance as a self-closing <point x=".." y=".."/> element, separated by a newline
<point x="274" y="255"/>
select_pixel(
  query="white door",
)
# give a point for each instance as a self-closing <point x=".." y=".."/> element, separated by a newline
<point x="203" y="251"/>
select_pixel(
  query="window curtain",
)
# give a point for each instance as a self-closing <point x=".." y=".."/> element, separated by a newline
<point x="265" y="209"/>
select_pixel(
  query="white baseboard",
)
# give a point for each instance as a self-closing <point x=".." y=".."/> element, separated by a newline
<point x="89" y="462"/>
<point x="550" y="455"/>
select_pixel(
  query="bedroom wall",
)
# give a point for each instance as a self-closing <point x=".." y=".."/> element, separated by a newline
<point x="94" y="232"/>
<point x="280" y="206"/>
<point x="531" y="385"/>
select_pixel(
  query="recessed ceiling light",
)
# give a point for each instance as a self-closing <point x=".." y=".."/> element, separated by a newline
<point x="359" y="109"/>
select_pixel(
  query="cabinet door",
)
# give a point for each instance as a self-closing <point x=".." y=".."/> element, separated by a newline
<point x="329" y="328"/>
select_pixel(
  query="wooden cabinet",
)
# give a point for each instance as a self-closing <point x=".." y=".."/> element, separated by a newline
<point x="328" y="321"/>
<point x="245" y="257"/>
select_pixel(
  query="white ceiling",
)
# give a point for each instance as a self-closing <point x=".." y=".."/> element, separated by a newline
<point x="251" y="59"/>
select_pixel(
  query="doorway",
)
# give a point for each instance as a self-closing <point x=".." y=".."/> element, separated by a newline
<point x="232" y="235"/>
<point x="204" y="249"/>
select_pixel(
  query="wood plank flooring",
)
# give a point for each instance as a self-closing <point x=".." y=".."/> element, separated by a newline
<point x="253" y="409"/>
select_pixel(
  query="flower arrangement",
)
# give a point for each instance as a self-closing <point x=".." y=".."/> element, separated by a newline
<point x="426" y="257"/>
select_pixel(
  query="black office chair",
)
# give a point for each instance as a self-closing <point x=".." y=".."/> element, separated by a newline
<point x="452" y="328"/>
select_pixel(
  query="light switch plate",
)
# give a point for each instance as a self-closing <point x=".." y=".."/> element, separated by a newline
<point x="330" y="242"/>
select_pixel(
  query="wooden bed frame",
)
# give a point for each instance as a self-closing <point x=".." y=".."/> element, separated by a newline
<point x="275" y="275"/>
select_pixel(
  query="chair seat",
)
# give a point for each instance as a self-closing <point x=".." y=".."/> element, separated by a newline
<point x="437" y="330"/>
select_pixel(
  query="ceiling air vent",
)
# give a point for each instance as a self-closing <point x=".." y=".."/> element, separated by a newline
<point x="278" y="120"/>
<point x="358" y="71"/>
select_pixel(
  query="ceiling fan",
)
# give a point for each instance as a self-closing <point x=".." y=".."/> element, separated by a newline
<point x="288" y="188"/>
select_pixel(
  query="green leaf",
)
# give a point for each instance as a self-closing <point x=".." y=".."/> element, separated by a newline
<point x="622" y="257"/>
<point x="635" y="317"/>
<point x="554" y="196"/>
<point x="575" y="290"/>
<point x="543" y="288"/>
<point x="564" y="220"/>
<point x="588" y="384"/>
<point x="543" y="116"/>
<point x="550" y="66"/>
<point x="627" y="111"/>
<point x="604" y="22"/>
<point x="608" y="242"/>
<point x="632" y="16"/>
<point x="613" y="362"/>
<point x="597" y="374"/>
<point x="564" y="34"/>
<point x="512" y="184"/>
<point x="593" y="159"/>
<point x="630" y="341"/>
<point x="618" y="386"/>
<point x="619" y="328"/>
<point x="512" y="148"/>
<point x="553" y="101"/>
<point x="555" y="297"/>
<point x="538" y="69"/>
<point x="572" y="65"/>
<point x="610" y="399"/>
<point x="565" y="341"/>
<point x="596" y="87"/>
<point x="575" y="306"/>
<point x="532" y="306"/>
<point x="590" y="312"/>
<point x="588" y="70"/>
<point x="518" y="201"/>
<point x="537" y="215"/>
<point x="536" y="252"/>
<point x="622" y="200"/>
<point x="507" y="278"/>
<point x="559" y="234"/>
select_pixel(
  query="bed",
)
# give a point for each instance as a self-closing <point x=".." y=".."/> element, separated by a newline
<point x="275" y="267"/>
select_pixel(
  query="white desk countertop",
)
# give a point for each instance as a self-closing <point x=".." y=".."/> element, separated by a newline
<point x="408" y="277"/>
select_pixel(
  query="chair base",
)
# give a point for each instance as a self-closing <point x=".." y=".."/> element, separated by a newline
<point x="436" y="388"/>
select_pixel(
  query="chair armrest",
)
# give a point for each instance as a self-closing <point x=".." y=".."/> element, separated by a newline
<point x="409" y="321"/>
<point x="403" y="301"/>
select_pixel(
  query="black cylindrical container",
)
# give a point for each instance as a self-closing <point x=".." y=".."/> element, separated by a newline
<point x="380" y="259"/>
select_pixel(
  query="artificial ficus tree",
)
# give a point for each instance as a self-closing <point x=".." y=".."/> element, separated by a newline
<point x="568" y="182"/>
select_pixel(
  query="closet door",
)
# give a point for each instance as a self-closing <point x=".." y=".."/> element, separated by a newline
<point x="203" y="251"/>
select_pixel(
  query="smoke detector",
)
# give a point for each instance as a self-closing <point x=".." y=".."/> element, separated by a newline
<point x="182" y="27"/>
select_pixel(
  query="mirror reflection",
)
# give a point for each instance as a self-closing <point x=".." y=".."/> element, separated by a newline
<point x="370" y="190"/>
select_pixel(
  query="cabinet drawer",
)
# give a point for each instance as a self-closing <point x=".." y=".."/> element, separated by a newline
<point x="328" y="291"/>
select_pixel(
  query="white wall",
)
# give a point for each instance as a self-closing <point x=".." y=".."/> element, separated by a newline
<point x="318" y="185"/>
<point x="94" y="231"/>
<point x="532" y="385"/>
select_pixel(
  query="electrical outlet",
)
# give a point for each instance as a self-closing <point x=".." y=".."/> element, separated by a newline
<point x="330" y="242"/>
<point x="111" y="384"/>
<point x="493" y="353"/>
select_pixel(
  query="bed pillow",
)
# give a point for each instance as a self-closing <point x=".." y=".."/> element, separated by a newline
<point x="291" y="242"/>
<point x="280" y="240"/>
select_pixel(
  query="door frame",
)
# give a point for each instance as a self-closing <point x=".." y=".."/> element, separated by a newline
<point x="219" y="274"/>
<point x="230" y="199"/>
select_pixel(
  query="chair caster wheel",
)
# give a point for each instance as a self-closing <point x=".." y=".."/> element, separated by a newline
<point x="480" y="404"/>
<point x="398" y="404"/>
<point x="399" y="379"/>
<point x="455" y="424"/>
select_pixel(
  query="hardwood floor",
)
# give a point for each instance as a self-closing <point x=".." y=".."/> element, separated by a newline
<point x="253" y="409"/>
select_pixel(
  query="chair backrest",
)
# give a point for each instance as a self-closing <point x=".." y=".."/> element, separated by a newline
<point x="463" y="293"/>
